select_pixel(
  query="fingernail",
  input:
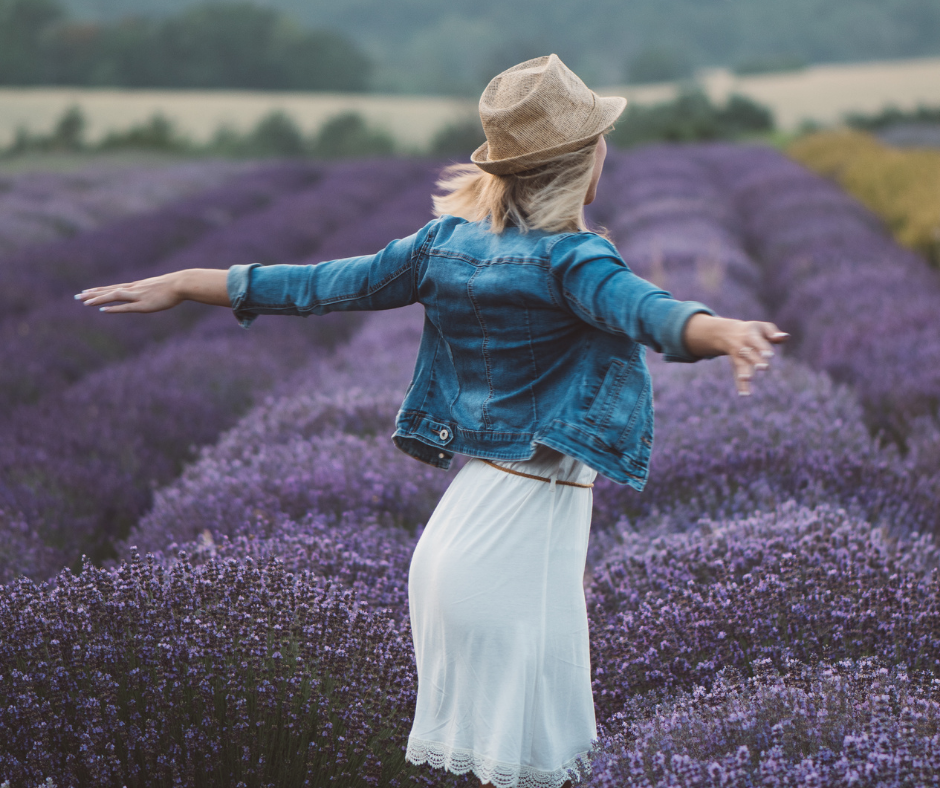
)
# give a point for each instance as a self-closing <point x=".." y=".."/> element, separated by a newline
<point x="767" y="353"/>
<point x="745" y="393"/>
<point x="762" y="366"/>
<point x="781" y="334"/>
<point x="77" y="296"/>
<point x="102" y="309"/>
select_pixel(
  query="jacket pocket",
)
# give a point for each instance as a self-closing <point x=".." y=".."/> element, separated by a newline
<point x="620" y="416"/>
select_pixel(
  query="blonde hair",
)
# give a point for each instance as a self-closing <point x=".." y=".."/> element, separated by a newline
<point x="549" y="197"/>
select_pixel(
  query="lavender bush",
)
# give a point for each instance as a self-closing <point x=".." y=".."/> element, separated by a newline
<point x="39" y="207"/>
<point x="132" y="436"/>
<point x="81" y="468"/>
<point x="765" y="613"/>
<point x="798" y="436"/>
<point x="55" y="344"/>
<point x="671" y="611"/>
<point x="860" y="306"/>
<point x="42" y="272"/>
<point x="327" y="452"/>
<point x="675" y="227"/>
<point x="852" y="723"/>
<point x="221" y="675"/>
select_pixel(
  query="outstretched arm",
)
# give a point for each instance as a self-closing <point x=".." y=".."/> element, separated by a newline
<point x="205" y="285"/>
<point x="748" y="343"/>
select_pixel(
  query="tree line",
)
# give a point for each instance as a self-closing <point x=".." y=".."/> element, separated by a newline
<point x="213" y="45"/>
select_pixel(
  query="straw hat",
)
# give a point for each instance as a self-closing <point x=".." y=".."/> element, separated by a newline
<point x="536" y="111"/>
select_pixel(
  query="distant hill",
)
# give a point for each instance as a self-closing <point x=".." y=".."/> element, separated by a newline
<point x="454" y="46"/>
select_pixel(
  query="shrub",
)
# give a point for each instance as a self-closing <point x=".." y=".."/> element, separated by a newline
<point x="669" y="612"/>
<point x="458" y="139"/>
<point x="858" y="305"/>
<point x="220" y="675"/>
<point x="855" y="722"/>
<point x="689" y="117"/>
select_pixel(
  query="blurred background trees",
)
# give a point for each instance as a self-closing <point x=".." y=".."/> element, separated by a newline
<point x="214" y="45"/>
<point x="425" y="46"/>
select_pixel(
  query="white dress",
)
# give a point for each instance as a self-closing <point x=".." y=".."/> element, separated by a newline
<point x="500" y="625"/>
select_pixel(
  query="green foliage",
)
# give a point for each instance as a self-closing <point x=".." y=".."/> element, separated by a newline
<point x="428" y="46"/>
<point x="276" y="134"/>
<point x="349" y="135"/>
<point x="156" y="134"/>
<point x="658" y="64"/>
<point x="458" y="139"/>
<point x="691" y="116"/>
<point x="215" y="45"/>
<point x="891" y="116"/>
<point x="22" y="25"/>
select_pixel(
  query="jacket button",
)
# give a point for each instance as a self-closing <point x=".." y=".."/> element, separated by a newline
<point x="444" y="434"/>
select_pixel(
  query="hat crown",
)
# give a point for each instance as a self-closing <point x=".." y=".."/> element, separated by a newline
<point x="537" y="104"/>
<point x="538" y="107"/>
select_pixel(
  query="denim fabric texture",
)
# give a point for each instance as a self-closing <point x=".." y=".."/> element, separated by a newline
<point x="529" y="338"/>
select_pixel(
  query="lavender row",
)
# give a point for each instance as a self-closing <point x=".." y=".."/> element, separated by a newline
<point x="669" y="611"/>
<point x="37" y="274"/>
<point x="674" y="227"/>
<point x="80" y="468"/>
<point x="797" y="437"/>
<point x="856" y="722"/>
<point x="323" y="449"/>
<point x="733" y="588"/>
<point x="229" y="674"/>
<point x="859" y="306"/>
<point x="54" y="345"/>
<point x="40" y="207"/>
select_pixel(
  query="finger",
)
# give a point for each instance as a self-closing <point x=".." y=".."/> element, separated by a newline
<point x="92" y="292"/>
<point x="113" y="295"/>
<point x="762" y="346"/>
<point x="773" y="334"/>
<point x="742" y="375"/>
<point x="753" y="357"/>
<point x="134" y="306"/>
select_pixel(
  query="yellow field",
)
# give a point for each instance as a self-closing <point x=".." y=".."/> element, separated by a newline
<point x="902" y="186"/>
<point x="820" y="93"/>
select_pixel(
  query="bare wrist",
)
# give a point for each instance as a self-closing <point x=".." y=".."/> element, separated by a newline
<point x="704" y="335"/>
<point x="179" y="284"/>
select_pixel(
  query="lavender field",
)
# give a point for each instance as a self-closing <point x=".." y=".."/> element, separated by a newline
<point x="205" y="532"/>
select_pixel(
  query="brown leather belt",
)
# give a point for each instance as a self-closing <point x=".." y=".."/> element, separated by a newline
<point x="533" y="476"/>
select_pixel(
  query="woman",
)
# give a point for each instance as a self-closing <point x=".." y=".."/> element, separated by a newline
<point x="531" y="363"/>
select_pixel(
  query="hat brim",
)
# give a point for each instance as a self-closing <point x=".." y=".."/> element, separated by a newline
<point x="611" y="108"/>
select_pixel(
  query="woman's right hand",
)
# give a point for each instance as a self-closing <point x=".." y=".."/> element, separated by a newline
<point x="205" y="285"/>
<point x="748" y="343"/>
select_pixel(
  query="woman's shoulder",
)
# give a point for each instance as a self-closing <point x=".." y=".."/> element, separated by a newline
<point x="584" y="243"/>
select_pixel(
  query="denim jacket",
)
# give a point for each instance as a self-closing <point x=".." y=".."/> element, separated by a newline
<point x="528" y="338"/>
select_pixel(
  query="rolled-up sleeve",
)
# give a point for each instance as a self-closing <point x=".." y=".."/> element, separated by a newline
<point x="599" y="288"/>
<point x="384" y="280"/>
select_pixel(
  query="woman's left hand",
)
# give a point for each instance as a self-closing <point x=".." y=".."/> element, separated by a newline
<point x="748" y="343"/>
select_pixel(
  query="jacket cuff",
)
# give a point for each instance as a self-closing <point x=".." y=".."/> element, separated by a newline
<point x="674" y="348"/>
<point x="238" y="282"/>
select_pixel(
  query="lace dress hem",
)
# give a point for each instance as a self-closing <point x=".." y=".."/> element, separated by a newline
<point x="497" y="773"/>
